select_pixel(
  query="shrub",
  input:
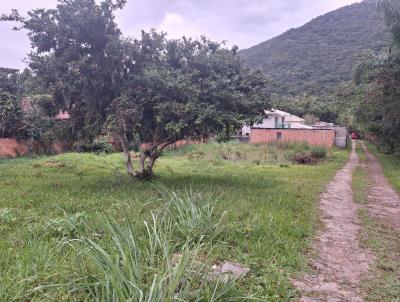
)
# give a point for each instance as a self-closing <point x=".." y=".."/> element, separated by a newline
<point x="193" y="215"/>
<point x="133" y="268"/>
<point x="98" y="145"/>
<point x="318" y="152"/>
<point x="305" y="159"/>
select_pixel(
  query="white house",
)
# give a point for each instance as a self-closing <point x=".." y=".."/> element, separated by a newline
<point x="276" y="119"/>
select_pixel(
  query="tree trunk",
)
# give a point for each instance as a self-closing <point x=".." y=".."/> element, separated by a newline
<point x="228" y="132"/>
<point x="142" y="164"/>
<point x="151" y="165"/>
<point x="127" y="156"/>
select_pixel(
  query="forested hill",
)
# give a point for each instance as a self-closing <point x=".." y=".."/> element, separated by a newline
<point x="321" y="54"/>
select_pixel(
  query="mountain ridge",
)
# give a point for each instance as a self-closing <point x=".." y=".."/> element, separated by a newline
<point x="319" y="55"/>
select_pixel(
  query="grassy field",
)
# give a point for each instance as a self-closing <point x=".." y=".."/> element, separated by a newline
<point x="63" y="220"/>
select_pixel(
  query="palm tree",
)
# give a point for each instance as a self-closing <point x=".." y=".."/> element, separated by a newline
<point x="370" y="62"/>
<point x="378" y="76"/>
<point x="390" y="10"/>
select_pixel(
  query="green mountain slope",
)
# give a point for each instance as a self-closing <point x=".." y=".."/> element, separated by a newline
<point x="318" y="56"/>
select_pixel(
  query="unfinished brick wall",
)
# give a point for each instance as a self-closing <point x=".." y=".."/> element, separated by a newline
<point x="316" y="137"/>
<point x="10" y="147"/>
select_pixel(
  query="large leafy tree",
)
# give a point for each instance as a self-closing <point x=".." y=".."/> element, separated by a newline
<point x="185" y="89"/>
<point x="10" y="114"/>
<point x="77" y="56"/>
<point x="10" y="109"/>
<point x="151" y="91"/>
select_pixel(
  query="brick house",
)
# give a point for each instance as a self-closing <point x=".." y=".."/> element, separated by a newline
<point x="282" y="126"/>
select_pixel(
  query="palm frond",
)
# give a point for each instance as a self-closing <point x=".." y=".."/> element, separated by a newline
<point x="390" y="10"/>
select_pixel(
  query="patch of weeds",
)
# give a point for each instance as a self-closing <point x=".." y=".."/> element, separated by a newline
<point x="384" y="241"/>
<point x="193" y="215"/>
<point x="360" y="152"/>
<point x="147" y="269"/>
<point x="70" y="226"/>
<point x="318" y="152"/>
<point x="55" y="164"/>
<point x="58" y="185"/>
<point x="136" y="268"/>
<point x="305" y="159"/>
<point x="217" y="162"/>
<point x="7" y="216"/>
<point x="307" y="155"/>
<point x="360" y="184"/>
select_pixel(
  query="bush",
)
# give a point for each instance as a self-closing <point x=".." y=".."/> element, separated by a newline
<point x="305" y="159"/>
<point x="99" y="145"/>
<point x="133" y="269"/>
<point x="318" y="152"/>
<point x="193" y="216"/>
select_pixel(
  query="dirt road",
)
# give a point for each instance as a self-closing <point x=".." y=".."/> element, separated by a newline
<point x="383" y="200"/>
<point x="341" y="263"/>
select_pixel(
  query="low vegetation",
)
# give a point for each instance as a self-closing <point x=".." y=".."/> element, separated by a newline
<point x="76" y="227"/>
<point x="390" y="164"/>
<point x="376" y="234"/>
<point x="272" y="153"/>
<point x="384" y="241"/>
<point x="360" y="180"/>
<point x="360" y="184"/>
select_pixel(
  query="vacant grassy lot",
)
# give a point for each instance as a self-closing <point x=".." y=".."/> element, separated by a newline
<point x="48" y="204"/>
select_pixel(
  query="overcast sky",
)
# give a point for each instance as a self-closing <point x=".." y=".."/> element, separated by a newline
<point x="240" y="22"/>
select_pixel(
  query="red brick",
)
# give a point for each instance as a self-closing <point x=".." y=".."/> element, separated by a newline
<point x="318" y="137"/>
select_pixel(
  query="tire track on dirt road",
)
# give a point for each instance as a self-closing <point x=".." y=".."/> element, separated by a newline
<point x="341" y="263"/>
<point x="383" y="200"/>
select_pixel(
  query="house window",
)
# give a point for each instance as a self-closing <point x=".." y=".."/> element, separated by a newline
<point x="276" y="122"/>
<point x="279" y="136"/>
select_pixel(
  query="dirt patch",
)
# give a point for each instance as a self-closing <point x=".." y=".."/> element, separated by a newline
<point x="383" y="200"/>
<point x="341" y="262"/>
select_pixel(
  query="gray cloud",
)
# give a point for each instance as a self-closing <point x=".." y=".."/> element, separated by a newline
<point x="240" y="22"/>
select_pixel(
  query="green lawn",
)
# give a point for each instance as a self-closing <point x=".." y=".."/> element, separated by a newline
<point x="48" y="204"/>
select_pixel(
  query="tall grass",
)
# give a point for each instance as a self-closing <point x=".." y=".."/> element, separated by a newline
<point x="147" y="271"/>
<point x="169" y="263"/>
<point x="275" y="153"/>
<point x="270" y="219"/>
<point x="193" y="215"/>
